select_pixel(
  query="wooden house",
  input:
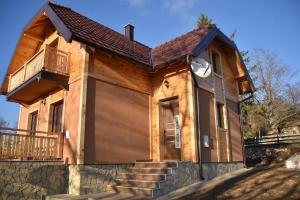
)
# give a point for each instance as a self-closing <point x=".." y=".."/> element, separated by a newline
<point x="118" y="101"/>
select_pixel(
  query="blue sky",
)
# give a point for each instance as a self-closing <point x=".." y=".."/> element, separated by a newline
<point x="269" y="24"/>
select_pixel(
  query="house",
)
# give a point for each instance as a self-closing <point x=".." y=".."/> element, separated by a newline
<point x="118" y="101"/>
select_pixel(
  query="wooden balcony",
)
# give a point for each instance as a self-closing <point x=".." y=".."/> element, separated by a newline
<point x="45" y="71"/>
<point x="19" y="144"/>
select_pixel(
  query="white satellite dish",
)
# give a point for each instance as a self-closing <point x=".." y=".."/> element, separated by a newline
<point x="201" y="67"/>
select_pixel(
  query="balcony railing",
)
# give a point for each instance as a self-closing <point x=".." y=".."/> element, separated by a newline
<point x="23" y="144"/>
<point x="48" y="59"/>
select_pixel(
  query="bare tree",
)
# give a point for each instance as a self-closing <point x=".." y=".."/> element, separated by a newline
<point x="271" y="80"/>
<point x="3" y="123"/>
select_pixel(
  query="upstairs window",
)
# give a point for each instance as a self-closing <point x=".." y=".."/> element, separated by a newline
<point x="216" y="62"/>
<point x="220" y="115"/>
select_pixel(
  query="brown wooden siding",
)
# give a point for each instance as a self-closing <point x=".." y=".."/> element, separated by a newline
<point x="208" y="125"/>
<point x="179" y="82"/>
<point x="70" y="97"/>
<point x="115" y="70"/>
<point x="234" y="130"/>
<point x="117" y="124"/>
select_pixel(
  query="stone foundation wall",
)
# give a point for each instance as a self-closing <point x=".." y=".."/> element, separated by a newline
<point x="31" y="179"/>
<point x="212" y="170"/>
<point x="35" y="179"/>
<point x="84" y="179"/>
<point x="185" y="174"/>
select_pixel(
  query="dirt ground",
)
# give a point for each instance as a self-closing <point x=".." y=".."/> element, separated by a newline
<point x="273" y="182"/>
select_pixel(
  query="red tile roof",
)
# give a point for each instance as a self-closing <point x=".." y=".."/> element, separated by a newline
<point x="178" y="47"/>
<point x="94" y="33"/>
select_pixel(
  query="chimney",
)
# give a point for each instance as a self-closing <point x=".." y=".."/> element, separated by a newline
<point x="129" y="31"/>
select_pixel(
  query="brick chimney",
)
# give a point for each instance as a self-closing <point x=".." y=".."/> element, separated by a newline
<point x="129" y="31"/>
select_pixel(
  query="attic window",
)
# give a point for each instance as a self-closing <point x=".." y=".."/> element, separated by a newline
<point x="54" y="43"/>
<point x="216" y="62"/>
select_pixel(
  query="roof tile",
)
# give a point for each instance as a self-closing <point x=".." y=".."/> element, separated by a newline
<point x="95" y="33"/>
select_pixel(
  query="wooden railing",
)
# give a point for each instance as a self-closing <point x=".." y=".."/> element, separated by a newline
<point x="23" y="144"/>
<point x="273" y="140"/>
<point x="48" y="59"/>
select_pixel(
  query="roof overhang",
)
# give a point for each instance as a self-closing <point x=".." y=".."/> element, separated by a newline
<point x="61" y="28"/>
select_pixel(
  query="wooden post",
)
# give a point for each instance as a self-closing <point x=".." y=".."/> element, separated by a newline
<point x="9" y="82"/>
<point x="25" y="69"/>
<point x="83" y="100"/>
<point x="60" y="145"/>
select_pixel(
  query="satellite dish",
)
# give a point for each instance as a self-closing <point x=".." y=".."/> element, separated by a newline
<point x="201" y="67"/>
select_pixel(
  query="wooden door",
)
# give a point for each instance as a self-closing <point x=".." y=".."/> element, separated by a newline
<point x="169" y="115"/>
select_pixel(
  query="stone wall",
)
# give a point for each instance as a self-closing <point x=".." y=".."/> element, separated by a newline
<point x="211" y="170"/>
<point x="35" y="179"/>
<point x="31" y="179"/>
<point x="84" y="179"/>
<point x="185" y="174"/>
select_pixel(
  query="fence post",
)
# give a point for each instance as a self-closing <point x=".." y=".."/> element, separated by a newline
<point x="60" y="144"/>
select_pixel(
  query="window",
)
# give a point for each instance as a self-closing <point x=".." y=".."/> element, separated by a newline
<point x="216" y="62"/>
<point x="56" y="116"/>
<point x="54" y="43"/>
<point x="220" y="116"/>
<point x="32" y="122"/>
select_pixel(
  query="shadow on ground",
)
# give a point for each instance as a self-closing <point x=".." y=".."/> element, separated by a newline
<point x="272" y="182"/>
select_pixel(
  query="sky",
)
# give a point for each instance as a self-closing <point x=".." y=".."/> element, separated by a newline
<point x="267" y="24"/>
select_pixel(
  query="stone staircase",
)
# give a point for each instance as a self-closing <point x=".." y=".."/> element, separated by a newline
<point x="148" y="179"/>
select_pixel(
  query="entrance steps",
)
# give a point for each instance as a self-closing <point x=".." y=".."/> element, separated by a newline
<point x="147" y="179"/>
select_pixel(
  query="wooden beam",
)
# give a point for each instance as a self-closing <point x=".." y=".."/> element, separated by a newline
<point x="241" y="77"/>
<point x="82" y="110"/>
<point x="40" y="23"/>
<point x="33" y="37"/>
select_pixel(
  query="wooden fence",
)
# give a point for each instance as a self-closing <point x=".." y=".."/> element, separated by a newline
<point x="30" y="145"/>
<point x="273" y="140"/>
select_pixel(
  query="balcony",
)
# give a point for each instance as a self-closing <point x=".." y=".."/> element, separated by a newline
<point x="44" y="72"/>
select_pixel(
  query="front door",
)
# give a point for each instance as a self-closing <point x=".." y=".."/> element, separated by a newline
<point x="170" y="130"/>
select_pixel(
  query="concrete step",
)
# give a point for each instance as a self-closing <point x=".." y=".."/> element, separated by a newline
<point x="146" y="192"/>
<point x="156" y="164"/>
<point x="148" y="177"/>
<point x="150" y="170"/>
<point x="138" y="183"/>
<point x="293" y="162"/>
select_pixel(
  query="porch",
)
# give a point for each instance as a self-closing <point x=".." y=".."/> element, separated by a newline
<point x="21" y="144"/>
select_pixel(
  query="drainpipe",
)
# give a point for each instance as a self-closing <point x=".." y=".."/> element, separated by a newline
<point x="197" y="119"/>
<point x="241" y="118"/>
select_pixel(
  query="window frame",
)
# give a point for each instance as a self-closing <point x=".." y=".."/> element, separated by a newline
<point x="53" y="126"/>
<point x="220" y="115"/>
<point x="30" y="120"/>
<point x="216" y="62"/>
